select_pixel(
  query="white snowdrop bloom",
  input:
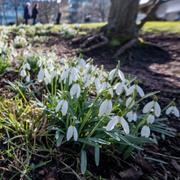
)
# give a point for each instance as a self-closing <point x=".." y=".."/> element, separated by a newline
<point x="65" y="75"/>
<point x="130" y="102"/>
<point x="23" y="73"/>
<point x="98" y="85"/>
<point x="152" y="105"/>
<point x="132" y="116"/>
<point x="133" y="88"/>
<point x="115" y="73"/>
<point x="82" y="63"/>
<point x="27" y="66"/>
<point x="130" y="90"/>
<point x="148" y="107"/>
<point x="119" y="87"/>
<point x="41" y="75"/>
<point x="125" y="125"/>
<point x="75" y="90"/>
<point x="28" y="78"/>
<point x="105" y="108"/>
<point x="145" y="131"/>
<point x="140" y="91"/>
<point x="72" y="132"/>
<point x="63" y="106"/>
<point x="73" y="75"/>
<point x="157" y="109"/>
<point x="112" y="123"/>
<point x="47" y="75"/>
<point x="173" y="110"/>
<point x="150" y="119"/>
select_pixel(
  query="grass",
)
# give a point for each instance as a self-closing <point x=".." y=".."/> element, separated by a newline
<point x="156" y="27"/>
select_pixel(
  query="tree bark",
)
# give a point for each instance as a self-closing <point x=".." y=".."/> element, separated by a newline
<point x="122" y="19"/>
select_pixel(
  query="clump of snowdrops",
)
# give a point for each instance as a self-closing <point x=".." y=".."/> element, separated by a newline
<point x="67" y="31"/>
<point x="88" y="106"/>
<point x="20" y="42"/>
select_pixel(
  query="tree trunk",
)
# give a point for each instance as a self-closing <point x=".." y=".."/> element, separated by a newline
<point x="122" y="19"/>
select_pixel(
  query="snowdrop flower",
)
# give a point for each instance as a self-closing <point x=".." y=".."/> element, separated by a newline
<point x="132" y="116"/>
<point x="82" y="63"/>
<point x="75" y="90"/>
<point x="28" y="78"/>
<point x="23" y="73"/>
<point x="173" y="110"/>
<point x="72" y="132"/>
<point x="73" y="75"/>
<point x="133" y="88"/>
<point x="47" y="76"/>
<point x="63" y="106"/>
<point x="120" y="87"/>
<point x="105" y="108"/>
<point x="114" y="121"/>
<point x="116" y="73"/>
<point x="152" y="105"/>
<point x="130" y="102"/>
<point x="150" y="119"/>
<point x="41" y="75"/>
<point x="145" y="131"/>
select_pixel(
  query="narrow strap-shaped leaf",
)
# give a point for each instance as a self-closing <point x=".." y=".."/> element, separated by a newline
<point x="97" y="155"/>
<point x="83" y="161"/>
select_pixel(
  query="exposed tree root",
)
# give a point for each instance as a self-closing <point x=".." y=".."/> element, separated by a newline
<point x="97" y="41"/>
<point x="126" y="46"/>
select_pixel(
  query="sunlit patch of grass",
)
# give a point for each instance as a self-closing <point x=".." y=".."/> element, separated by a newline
<point x="162" y="27"/>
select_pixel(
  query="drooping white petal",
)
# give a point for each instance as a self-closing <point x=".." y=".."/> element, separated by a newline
<point x="64" y="107"/>
<point x="169" y="110"/>
<point x="125" y="125"/>
<point x="70" y="132"/>
<point x="82" y="63"/>
<point x="121" y="75"/>
<point x="105" y="108"/>
<point x="112" y="123"/>
<point x="23" y="73"/>
<point x="27" y="66"/>
<point x="129" y="115"/>
<point x="176" y="111"/>
<point x="147" y="108"/>
<point x="75" y="134"/>
<point x="28" y="78"/>
<point x="140" y="91"/>
<point x="119" y="87"/>
<point x="41" y="75"/>
<point x="150" y="119"/>
<point x="145" y="131"/>
<point x="157" y="109"/>
<point x="59" y="106"/>
<point x="75" y="91"/>
<point x="112" y="74"/>
<point x="130" y="90"/>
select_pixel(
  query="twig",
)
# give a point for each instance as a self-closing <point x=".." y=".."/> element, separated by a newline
<point x="68" y="167"/>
